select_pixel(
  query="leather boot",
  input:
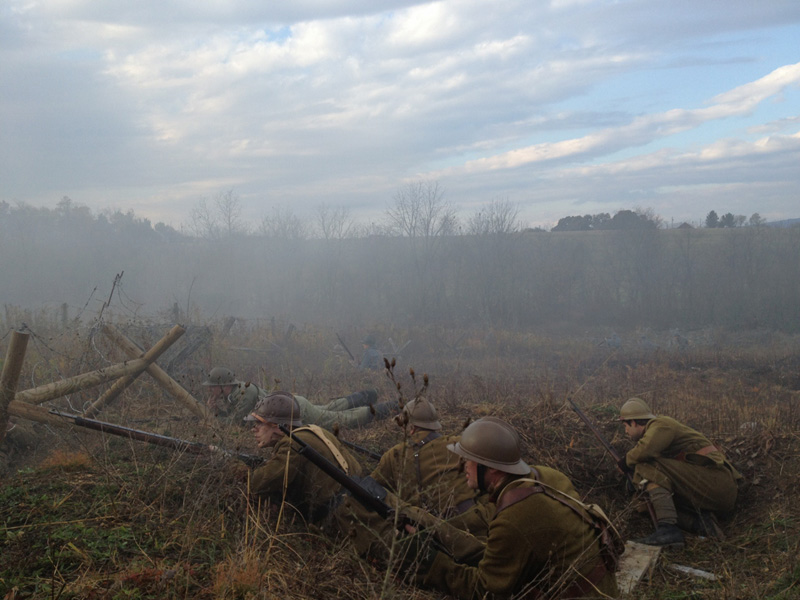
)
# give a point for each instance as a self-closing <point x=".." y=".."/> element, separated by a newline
<point x="666" y="535"/>
<point x="384" y="410"/>
<point x="667" y="532"/>
<point x="362" y="398"/>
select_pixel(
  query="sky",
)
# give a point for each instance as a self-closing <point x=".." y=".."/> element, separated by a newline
<point x="560" y="107"/>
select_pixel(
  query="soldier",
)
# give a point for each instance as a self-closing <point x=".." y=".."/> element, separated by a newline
<point x="542" y="539"/>
<point x="686" y="477"/>
<point x="232" y="400"/>
<point x="422" y="472"/>
<point x="371" y="359"/>
<point x="288" y="477"/>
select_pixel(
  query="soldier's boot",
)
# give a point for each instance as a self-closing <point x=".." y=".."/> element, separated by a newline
<point x="384" y="410"/>
<point x="667" y="532"/>
<point x="705" y="523"/>
<point x="362" y="398"/>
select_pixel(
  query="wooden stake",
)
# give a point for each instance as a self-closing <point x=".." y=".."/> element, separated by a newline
<point x="175" y="389"/>
<point x="12" y="367"/>
<point x="122" y="384"/>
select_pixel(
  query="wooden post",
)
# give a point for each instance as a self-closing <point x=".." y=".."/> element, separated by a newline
<point x="12" y="367"/>
<point x="150" y="356"/>
<point x="64" y="315"/>
<point x="54" y="390"/>
<point x="174" y="388"/>
<point x="35" y="413"/>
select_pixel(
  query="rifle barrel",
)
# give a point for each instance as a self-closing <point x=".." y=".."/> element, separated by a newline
<point x="156" y="438"/>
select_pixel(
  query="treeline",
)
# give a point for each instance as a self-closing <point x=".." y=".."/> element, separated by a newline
<point x="743" y="277"/>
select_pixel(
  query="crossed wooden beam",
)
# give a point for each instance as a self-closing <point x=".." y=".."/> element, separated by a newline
<point x="25" y="404"/>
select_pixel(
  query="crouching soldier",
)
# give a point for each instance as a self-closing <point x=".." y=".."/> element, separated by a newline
<point x="542" y="541"/>
<point x="687" y="478"/>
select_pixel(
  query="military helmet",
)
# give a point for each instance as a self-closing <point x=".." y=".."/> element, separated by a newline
<point x="220" y="376"/>
<point x="369" y="340"/>
<point x="421" y="413"/>
<point x="635" y="409"/>
<point x="280" y="408"/>
<point x="493" y="443"/>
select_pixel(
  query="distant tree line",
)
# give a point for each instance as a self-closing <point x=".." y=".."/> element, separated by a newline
<point x="420" y="266"/>
<point x="729" y="220"/>
<point x="624" y="219"/>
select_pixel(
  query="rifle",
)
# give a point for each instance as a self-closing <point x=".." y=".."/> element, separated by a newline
<point x="361" y="450"/>
<point x="621" y="466"/>
<point x="346" y="349"/>
<point x="360" y="493"/>
<point x="251" y="460"/>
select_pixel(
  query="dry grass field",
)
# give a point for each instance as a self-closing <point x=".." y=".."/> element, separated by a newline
<point x="90" y="516"/>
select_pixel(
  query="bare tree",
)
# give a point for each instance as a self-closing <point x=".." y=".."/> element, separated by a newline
<point x="334" y="223"/>
<point x="219" y="219"/>
<point x="283" y="224"/>
<point x="500" y="217"/>
<point x="229" y="209"/>
<point x="420" y="211"/>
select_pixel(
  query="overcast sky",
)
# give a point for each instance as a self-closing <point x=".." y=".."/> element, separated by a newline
<point x="562" y="107"/>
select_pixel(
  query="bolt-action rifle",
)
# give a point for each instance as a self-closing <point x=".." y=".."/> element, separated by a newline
<point x="361" y="450"/>
<point x="360" y="493"/>
<point x="346" y="349"/>
<point x="251" y="460"/>
<point x="371" y="499"/>
<point x="622" y="466"/>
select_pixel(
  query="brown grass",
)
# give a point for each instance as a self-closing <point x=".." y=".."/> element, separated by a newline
<point x="96" y="517"/>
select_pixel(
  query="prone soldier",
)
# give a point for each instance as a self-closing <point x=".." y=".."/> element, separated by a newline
<point x="289" y="478"/>
<point x="233" y="400"/>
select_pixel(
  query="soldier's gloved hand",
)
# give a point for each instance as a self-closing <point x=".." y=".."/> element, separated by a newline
<point x="416" y="551"/>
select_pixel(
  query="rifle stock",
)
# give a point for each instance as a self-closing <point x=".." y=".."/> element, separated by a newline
<point x="157" y="439"/>
<point x="626" y="471"/>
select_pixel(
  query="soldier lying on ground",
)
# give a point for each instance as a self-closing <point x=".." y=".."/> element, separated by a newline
<point x="687" y="478"/>
<point x="542" y="540"/>
<point x="287" y="478"/>
<point x="232" y="400"/>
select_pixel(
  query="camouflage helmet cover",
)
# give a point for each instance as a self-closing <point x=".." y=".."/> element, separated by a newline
<point x="280" y="408"/>
<point x="494" y="443"/>
<point x="219" y="376"/>
<point x="421" y="413"/>
<point x="635" y="409"/>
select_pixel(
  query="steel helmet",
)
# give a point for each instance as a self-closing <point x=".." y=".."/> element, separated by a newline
<point x="493" y="443"/>
<point x="370" y="340"/>
<point x="421" y="413"/>
<point x="635" y="409"/>
<point x="280" y="408"/>
<point x="220" y="376"/>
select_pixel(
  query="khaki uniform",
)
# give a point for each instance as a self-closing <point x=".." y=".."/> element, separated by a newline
<point x="537" y="545"/>
<point x="242" y="401"/>
<point x="683" y="461"/>
<point x="290" y="477"/>
<point x="424" y="473"/>
<point x="373" y="537"/>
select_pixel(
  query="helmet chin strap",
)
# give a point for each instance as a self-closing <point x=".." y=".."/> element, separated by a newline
<point x="482" y="478"/>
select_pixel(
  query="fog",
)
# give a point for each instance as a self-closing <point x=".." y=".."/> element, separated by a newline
<point x="70" y="264"/>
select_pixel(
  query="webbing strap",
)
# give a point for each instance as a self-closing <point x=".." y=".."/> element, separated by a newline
<point x="320" y="433"/>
